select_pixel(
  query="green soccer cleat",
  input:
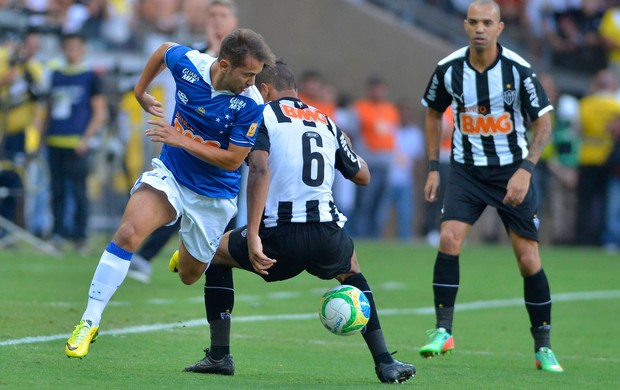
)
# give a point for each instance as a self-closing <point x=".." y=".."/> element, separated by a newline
<point x="83" y="335"/>
<point x="439" y="342"/>
<point x="173" y="264"/>
<point x="546" y="361"/>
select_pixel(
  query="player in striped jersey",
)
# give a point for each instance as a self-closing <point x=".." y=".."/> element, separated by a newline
<point x="494" y="95"/>
<point x="293" y="223"/>
<point x="215" y="118"/>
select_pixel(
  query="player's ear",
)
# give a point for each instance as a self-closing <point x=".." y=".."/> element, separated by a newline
<point x="225" y="65"/>
<point x="264" y="89"/>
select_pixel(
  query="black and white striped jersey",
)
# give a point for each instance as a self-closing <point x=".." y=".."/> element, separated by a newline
<point x="305" y="150"/>
<point x="491" y="108"/>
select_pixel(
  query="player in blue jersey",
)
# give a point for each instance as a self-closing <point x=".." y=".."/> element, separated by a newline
<point x="214" y="125"/>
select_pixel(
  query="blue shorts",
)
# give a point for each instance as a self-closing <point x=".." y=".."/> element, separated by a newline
<point x="471" y="189"/>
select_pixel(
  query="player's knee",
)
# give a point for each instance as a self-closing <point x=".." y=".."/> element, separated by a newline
<point x="126" y="237"/>
<point x="188" y="277"/>
<point x="450" y="242"/>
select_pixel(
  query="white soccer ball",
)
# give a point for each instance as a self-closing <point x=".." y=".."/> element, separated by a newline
<point x="344" y="310"/>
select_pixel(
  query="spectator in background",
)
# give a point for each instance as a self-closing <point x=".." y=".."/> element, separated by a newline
<point x="555" y="179"/>
<point x="596" y="112"/>
<point x="576" y="42"/>
<point x="314" y="90"/>
<point x="77" y="110"/>
<point x="408" y="154"/>
<point x="379" y="121"/>
<point x="21" y="76"/>
<point x="221" y="20"/>
<point x="609" y="29"/>
<point x="193" y="21"/>
<point x="611" y="234"/>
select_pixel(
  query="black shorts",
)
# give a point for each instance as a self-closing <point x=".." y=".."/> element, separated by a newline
<point x="322" y="249"/>
<point x="470" y="189"/>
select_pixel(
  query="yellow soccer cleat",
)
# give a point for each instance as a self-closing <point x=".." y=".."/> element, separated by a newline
<point x="81" y="338"/>
<point x="174" y="262"/>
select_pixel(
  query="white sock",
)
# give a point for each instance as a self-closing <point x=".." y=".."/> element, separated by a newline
<point x="109" y="275"/>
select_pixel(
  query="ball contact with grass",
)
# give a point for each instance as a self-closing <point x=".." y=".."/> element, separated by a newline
<point x="344" y="310"/>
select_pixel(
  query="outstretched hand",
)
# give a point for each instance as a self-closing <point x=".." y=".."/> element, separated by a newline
<point x="259" y="260"/>
<point x="165" y="133"/>
<point x="150" y="105"/>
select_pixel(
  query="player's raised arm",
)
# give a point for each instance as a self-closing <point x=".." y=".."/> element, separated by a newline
<point x="153" y="67"/>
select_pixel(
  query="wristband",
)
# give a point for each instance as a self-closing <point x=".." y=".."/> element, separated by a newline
<point x="433" y="166"/>
<point x="528" y="165"/>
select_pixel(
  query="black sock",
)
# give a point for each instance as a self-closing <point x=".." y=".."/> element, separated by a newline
<point x="219" y="295"/>
<point x="372" y="333"/>
<point x="445" y="287"/>
<point x="538" y="304"/>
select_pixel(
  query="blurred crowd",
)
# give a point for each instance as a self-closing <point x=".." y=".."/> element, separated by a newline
<point x="578" y="178"/>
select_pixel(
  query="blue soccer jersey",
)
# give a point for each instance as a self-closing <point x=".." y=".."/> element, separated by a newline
<point x="211" y="117"/>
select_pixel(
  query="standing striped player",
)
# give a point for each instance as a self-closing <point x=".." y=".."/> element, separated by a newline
<point x="494" y="95"/>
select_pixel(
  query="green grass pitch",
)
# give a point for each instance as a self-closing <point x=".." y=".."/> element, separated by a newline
<point x="150" y="332"/>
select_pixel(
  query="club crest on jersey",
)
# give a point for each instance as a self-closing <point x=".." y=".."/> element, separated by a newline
<point x="236" y="104"/>
<point x="182" y="97"/>
<point x="252" y="130"/>
<point x="190" y="76"/>
<point x="509" y="96"/>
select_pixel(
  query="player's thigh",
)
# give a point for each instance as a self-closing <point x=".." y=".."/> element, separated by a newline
<point x="465" y="199"/>
<point x="522" y="219"/>
<point x="146" y="210"/>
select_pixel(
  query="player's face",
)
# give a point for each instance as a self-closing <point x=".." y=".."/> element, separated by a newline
<point x="242" y="77"/>
<point x="483" y="26"/>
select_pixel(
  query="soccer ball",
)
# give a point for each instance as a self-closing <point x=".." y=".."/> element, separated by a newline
<point x="344" y="310"/>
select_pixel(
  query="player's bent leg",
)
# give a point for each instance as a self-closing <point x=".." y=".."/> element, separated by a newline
<point x="189" y="268"/>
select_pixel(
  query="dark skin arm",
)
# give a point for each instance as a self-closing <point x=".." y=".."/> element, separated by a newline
<point x="519" y="183"/>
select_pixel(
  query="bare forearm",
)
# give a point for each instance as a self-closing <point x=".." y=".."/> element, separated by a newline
<point x="258" y="188"/>
<point x="153" y="67"/>
<point x="540" y="138"/>
<point x="433" y="131"/>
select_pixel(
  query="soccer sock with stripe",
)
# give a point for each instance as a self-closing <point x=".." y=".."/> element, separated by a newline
<point x="538" y="304"/>
<point x="373" y="335"/>
<point x="446" y="276"/>
<point x="110" y="273"/>
<point x="219" y="297"/>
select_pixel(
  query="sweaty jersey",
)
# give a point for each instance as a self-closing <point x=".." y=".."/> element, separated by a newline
<point x="305" y="148"/>
<point x="490" y="108"/>
<point x="216" y="118"/>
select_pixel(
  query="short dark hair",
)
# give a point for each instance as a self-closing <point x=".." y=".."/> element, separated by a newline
<point x="280" y="76"/>
<point x="243" y="42"/>
<point x="74" y="35"/>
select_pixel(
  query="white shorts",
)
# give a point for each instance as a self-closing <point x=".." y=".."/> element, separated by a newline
<point x="204" y="218"/>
